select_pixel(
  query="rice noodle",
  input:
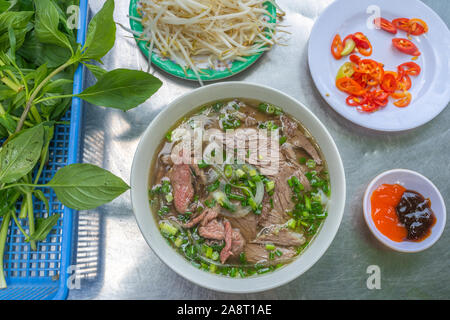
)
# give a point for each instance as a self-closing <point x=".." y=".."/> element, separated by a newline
<point x="214" y="31"/>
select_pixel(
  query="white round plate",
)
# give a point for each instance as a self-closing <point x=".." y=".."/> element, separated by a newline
<point x="430" y="90"/>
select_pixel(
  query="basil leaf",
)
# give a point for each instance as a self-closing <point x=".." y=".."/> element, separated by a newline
<point x="58" y="86"/>
<point x="96" y="70"/>
<point x="122" y="89"/>
<point x="14" y="19"/>
<point x="84" y="186"/>
<point x="39" y="75"/>
<point x="12" y="42"/>
<point x="44" y="226"/>
<point x="8" y="200"/>
<point x="8" y="123"/>
<point x="39" y="53"/>
<point x="6" y="92"/>
<point x="4" y="5"/>
<point x="20" y="154"/>
<point x="47" y="21"/>
<point x="101" y="33"/>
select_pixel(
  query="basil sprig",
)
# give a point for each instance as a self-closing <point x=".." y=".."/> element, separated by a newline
<point x="38" y="58"/>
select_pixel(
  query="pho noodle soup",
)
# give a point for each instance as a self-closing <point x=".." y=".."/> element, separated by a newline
<point x="239" y="188"/>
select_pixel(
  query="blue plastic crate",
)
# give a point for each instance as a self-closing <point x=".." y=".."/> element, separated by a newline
<point x="43" y="274"/>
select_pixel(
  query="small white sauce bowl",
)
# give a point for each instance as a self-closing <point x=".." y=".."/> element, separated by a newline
<point x="411" y="180"/>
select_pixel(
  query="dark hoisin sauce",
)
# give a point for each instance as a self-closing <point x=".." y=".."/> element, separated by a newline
<point x="414" y="211"/>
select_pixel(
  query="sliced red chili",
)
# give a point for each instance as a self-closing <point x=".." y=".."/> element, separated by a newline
<point x="385" y="25"/>
<point x="389" y="82"/>
<point x="349" y="86"/>
<point x="361" y="40"/>
<point x="401" y="23"/>
<point x="403" y="102"/>
<point x="410" y="68"/>
<point x="417" y="27"/>
<point x="405" y="46"/>
<point x="353" y="101"/>
<point x="337" y="47"/>
<point x="404" y="83"/>
<point x="355" y="59"/>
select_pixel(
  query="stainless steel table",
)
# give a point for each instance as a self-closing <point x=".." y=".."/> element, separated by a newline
<point x="114" y="260"/>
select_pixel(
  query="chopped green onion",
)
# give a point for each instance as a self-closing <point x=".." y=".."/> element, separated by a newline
<point x="252" y="203"/>
<point x="209" y="252"/>
<point x="311" y="164"/>
<point x="264" y="270"/>
<point x="270" y="246"/>
<point x="228" y="171"/>
<point x="215" y="255"/>
<point x="214" y="186"/>
<point x="302" y="160"/>
<point x="168" y="229"/>
<point x="307" y="202"/>
<point x="227" y="189"/>
<point x="290" y="183"/>
<point x="178" y="242"/>
<point x="295" y="181"/>
<point x="233" y="196"/>
<point x="291" y="223"/>
<point x="212" y="268"/>
<point x="240" y="173"/>
<point x="303" y="223"/>
<point x="163" y="211"/>
<point x="283" y="139"/>
<point x="270" y="185"/>
<point x="217" y="106"/>
<point x="262" y="107"/>
<point x="279" y="253"/>
<point x="210" y="203"/>
<point x="169" y="197"/>
<point x="169" y="136"/>
<point x="222" y="199"/>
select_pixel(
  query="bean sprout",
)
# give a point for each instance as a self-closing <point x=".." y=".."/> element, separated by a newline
<point x="212" y="31"/>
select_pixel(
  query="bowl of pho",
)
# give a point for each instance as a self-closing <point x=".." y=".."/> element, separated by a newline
<point x="238" y="187"/>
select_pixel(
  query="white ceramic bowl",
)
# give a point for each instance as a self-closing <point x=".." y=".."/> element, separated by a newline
<point x="413" y="181"/>
<point x="140" y="185"/>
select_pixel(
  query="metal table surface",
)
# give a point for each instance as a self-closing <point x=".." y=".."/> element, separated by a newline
<point x="115" y="262"/>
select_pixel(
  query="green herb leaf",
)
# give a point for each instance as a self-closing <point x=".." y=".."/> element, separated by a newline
<point x="14" y="19"/>
<point x="20" y="155"/>
<point x="122" y="89"/>
<point x="44" y="226"/>
<point x="97" y="71"/>
<point x="4" y="5"/>
<point x="47" y="21"/>
<point x="85" y="186"/>
<point x="39" y="53"/>
<point x="101" y="33"/>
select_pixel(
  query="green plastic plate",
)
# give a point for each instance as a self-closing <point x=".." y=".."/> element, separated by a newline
<point x="176" y="70"/>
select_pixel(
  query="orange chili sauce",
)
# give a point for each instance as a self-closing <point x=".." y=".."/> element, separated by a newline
<point x="383" y="201"/>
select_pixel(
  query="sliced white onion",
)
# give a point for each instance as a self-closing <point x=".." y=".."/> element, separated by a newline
<point x="239" y="213"/>
<point x="259" y="192"/>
